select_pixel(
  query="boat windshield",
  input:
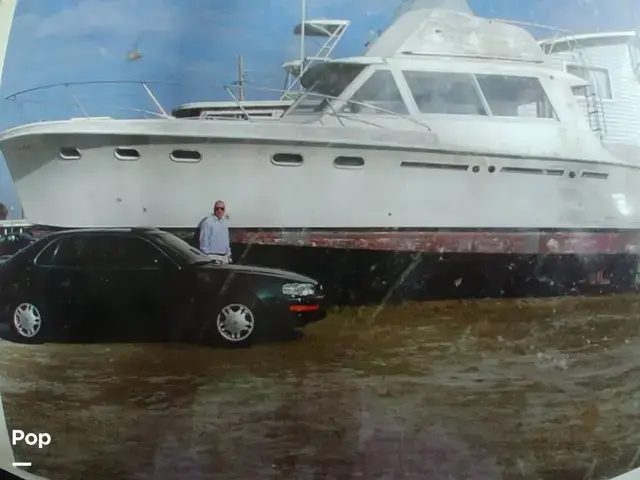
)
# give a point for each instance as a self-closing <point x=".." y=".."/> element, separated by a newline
<point x="324" y="83"/>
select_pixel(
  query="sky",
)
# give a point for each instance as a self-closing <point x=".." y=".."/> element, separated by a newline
<point x="190" y="47"/>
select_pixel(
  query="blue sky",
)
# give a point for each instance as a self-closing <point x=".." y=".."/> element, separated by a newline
<point x="194" y="44"/>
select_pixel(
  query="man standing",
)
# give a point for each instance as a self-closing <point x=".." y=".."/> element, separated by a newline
<point x="214" y="235"/>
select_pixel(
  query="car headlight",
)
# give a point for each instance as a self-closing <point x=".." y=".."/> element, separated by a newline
<point x="298" y="289"/>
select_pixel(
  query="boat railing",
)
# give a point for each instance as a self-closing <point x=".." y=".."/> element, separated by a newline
<point x="341" y="116"/>
<point x="26" y="96"/>
<point x="546" y="34"/>
<point x="23" y="97"/>
<point x="537" y="27"/>
<point x="14" y="225"/>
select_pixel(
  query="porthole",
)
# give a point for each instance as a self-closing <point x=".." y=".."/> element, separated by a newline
<point x="436" y="166"/>
<point x="70" y="153"/>
<point x="126" y="154"/>
<point x="598" y="175"/>
<point x="572" y="174"/>
<point x="287" y="159"/>
<point x="475" y="169"/>
<point x="348" y="162"/>
<point x="492" y="169"/>
<point x="186" y="156"/>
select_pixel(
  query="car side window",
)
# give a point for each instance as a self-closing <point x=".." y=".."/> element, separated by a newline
<point x="133" y="253"/>
<point x="101" y="251"/>
<point x="45" y="257"/>
<point x="78" y="252"/>
<point x="74" y="252"/>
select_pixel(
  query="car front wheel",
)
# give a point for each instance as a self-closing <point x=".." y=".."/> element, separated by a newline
<point x="236" y="322"/>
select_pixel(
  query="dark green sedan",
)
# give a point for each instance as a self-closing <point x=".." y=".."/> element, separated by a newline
<point x="147" y="283"/>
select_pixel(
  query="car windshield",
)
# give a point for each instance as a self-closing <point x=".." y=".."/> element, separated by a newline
<point x="177" y="244"/>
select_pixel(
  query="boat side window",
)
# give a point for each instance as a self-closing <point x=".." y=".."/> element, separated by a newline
<point x="378" y="94"/>
<point x="511" y="96"/>
<point x="445" y="93"/>
<point x="597" y="78"/>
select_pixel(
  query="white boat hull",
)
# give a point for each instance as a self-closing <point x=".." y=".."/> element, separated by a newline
<point x="397" y="188"/>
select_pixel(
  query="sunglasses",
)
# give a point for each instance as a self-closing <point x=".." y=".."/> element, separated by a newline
<point x="219" y="208"/>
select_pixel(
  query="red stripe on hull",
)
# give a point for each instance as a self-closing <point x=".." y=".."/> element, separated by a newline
<point x="516" y="243"/>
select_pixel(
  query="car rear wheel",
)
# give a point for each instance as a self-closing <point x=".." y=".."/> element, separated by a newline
<point x="27" y="322"/>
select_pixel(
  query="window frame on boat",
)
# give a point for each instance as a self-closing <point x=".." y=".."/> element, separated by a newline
<point x="461" y="77"/>
<point x="596" y="78"/>
<point x="314" y="102"/>
<point x="363" y="106"/>
<point x="482" y="99"/>
<point x="542" y="104"/>
<point x="341" y="103"/>
<point x="366" y="68"/>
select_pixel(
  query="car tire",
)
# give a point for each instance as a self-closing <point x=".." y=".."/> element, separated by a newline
<point x="236" y="322"/>
<point x="27" y="322"/>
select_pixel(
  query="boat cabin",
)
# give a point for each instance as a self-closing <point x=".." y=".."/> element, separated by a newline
<point x="417" y="87"/>
<point x="445" y="72"/>
<point x="437" y="63"/>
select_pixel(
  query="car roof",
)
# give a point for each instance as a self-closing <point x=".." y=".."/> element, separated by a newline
<point x="134" y="230"/>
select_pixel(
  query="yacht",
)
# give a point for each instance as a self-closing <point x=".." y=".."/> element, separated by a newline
<point x="451" y="132"/>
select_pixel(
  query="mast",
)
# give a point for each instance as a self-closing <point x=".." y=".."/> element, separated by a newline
<point x="302" y="35"/>
<point x="240" y="81"/>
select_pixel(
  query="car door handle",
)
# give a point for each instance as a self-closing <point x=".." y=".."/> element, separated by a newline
<point x="65" y="284"/>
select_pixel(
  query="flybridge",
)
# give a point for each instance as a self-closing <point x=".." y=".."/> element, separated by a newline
<point x="438" y="27"/>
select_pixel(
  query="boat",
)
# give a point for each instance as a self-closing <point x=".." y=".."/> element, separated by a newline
<point x="451" y="134"/>
<point x="359" y="150"/>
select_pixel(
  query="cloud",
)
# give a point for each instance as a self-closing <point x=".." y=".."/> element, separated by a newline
<point x="588" y="15"/>
<point x="116" y="17"/>
<point x="164" y="19"/>
<point x="368" y="8"/>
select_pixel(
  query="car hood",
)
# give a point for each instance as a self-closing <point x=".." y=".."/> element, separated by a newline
<point x="265" y="271"/>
